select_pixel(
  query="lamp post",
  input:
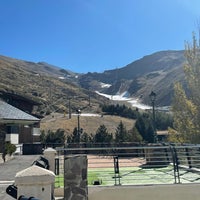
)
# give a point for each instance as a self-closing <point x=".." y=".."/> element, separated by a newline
<point x="153" y="98"/>
<point x="78" y="111"/>
<point x="69" y="106"/>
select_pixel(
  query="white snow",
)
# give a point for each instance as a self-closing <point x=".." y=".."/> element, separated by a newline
<point x="88" y="114"/>
<point x="122" y="97"/>
<point x="61" y="77"/>
<point x="137" y="104"/>
<point x="105" y="85"/>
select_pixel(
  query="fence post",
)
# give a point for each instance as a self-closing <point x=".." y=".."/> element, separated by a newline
<point x="50" y="155"/>
<point x="35" y="182"/>
<point x="188" y="157"/>
<point x="175" y="160"/>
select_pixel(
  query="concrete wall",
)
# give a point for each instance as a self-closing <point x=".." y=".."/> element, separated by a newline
<point x="13" y="138"/>
<point x="158" y="192"/>
<point x="35" y="182"/>
<point x="151" y="192"/>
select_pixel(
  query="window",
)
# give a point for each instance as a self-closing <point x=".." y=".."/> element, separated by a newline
<point x="13" y="129"/>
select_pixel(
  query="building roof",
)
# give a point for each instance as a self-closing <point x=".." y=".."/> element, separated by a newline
<point x="9" y="113"/>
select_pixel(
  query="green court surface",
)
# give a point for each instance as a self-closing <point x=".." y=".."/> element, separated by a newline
<point x="135" y="176"/>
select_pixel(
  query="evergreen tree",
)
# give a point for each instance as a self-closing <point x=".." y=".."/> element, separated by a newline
<point x="145" y="127"/>
<point x="134" y="135"/>
<point x="43" y="137"/>
<point x="121" y="133"/>
<point x="163" y="120"/>
<point x="86" y="138"/>
<point x="74" y="138"/>
<point x="102" y="135"/>
<point x="51" y="137"/>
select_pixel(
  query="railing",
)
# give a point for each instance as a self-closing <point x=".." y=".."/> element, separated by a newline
<point x="137" y="165"/>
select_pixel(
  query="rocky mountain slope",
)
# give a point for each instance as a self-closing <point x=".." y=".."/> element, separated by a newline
<point x="50" y="87"/>
<point x="157" y="72"/>
<point x="55" y="89"/>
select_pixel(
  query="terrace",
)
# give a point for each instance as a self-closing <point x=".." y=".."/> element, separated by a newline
<point x="128" y="169"/>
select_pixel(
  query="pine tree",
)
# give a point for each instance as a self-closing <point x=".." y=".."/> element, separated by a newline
<point x="145" y="127"/>
<point x="102" y="135"/>
<point x="74" y="138"/>
<point x="134" y="135"/>
<point x="121" y="133"/>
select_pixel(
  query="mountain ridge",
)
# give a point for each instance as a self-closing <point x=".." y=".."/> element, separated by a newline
<point x="142" y="76"/>
<point x="46" y="83"/>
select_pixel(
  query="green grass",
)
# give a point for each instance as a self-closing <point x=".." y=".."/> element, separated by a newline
<point x="133" y="176"/>
<point x="59" y="181"/>
<point x="127" y="175"/>
<point x="103" y="175"/>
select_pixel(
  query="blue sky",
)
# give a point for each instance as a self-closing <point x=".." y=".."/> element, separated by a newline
<point x="94" y="35"/>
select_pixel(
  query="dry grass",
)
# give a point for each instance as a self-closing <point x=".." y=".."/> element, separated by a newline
<point x="89" y="123"/>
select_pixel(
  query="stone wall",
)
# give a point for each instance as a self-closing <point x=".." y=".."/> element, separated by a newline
<point x="75" y="177"/>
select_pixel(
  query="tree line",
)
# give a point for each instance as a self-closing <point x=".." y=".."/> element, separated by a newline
<point x="120" y="110"/>
<point x="142" y="130"/>
<point x="100" y="136"/>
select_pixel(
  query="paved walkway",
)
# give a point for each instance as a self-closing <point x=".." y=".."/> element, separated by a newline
<point x="9" y="169"/>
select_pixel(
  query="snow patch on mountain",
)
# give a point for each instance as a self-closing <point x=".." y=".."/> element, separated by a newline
<point x="105" y="85"/>
<point x="123" y="97"/>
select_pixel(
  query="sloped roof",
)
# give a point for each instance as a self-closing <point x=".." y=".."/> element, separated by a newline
<point x="8" y="112"/>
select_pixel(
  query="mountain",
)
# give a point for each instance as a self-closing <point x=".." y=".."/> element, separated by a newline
<point x="157" y="72"/>
<point x="55" y="89"/>
<point x="49" y="87"/>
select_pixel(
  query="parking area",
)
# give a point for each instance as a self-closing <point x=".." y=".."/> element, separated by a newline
<point x="9" y="169"/>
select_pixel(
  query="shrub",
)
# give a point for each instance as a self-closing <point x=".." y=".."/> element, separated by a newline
<point x="10" y="148"/>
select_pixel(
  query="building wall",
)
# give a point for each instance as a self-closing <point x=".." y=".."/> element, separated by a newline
<point x="25" y="134"/>
<point x="151" y="192"/>
<point x="12" y="138"/>
<point x="2" y="136"/>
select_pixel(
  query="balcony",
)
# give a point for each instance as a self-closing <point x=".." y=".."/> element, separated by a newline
<point x="138" y="172"/>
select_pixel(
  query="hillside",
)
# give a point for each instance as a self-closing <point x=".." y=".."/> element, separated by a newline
<point x="55" y="89"/>
<point x="50" y="87"/>
<point x="88" y="123"/>
<point x="158" y="72"/>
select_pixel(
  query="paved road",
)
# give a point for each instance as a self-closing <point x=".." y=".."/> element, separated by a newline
<point x="9" y="169"/>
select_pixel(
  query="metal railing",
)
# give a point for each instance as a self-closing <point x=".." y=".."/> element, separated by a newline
<point x="136" y="165"/>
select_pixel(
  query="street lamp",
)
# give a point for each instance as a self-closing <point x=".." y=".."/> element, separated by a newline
<point x="69" y="106"/>
<point x="78" y="111"/>
<point x="153" y="98"/>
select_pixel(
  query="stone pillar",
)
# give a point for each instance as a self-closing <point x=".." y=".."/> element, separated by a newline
<point x="50" y="155"/>
<point x="35" y="182"/>
<point x="75" y="177"/>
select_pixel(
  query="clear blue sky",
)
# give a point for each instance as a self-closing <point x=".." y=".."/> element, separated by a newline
<point x="94" y="35"/>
